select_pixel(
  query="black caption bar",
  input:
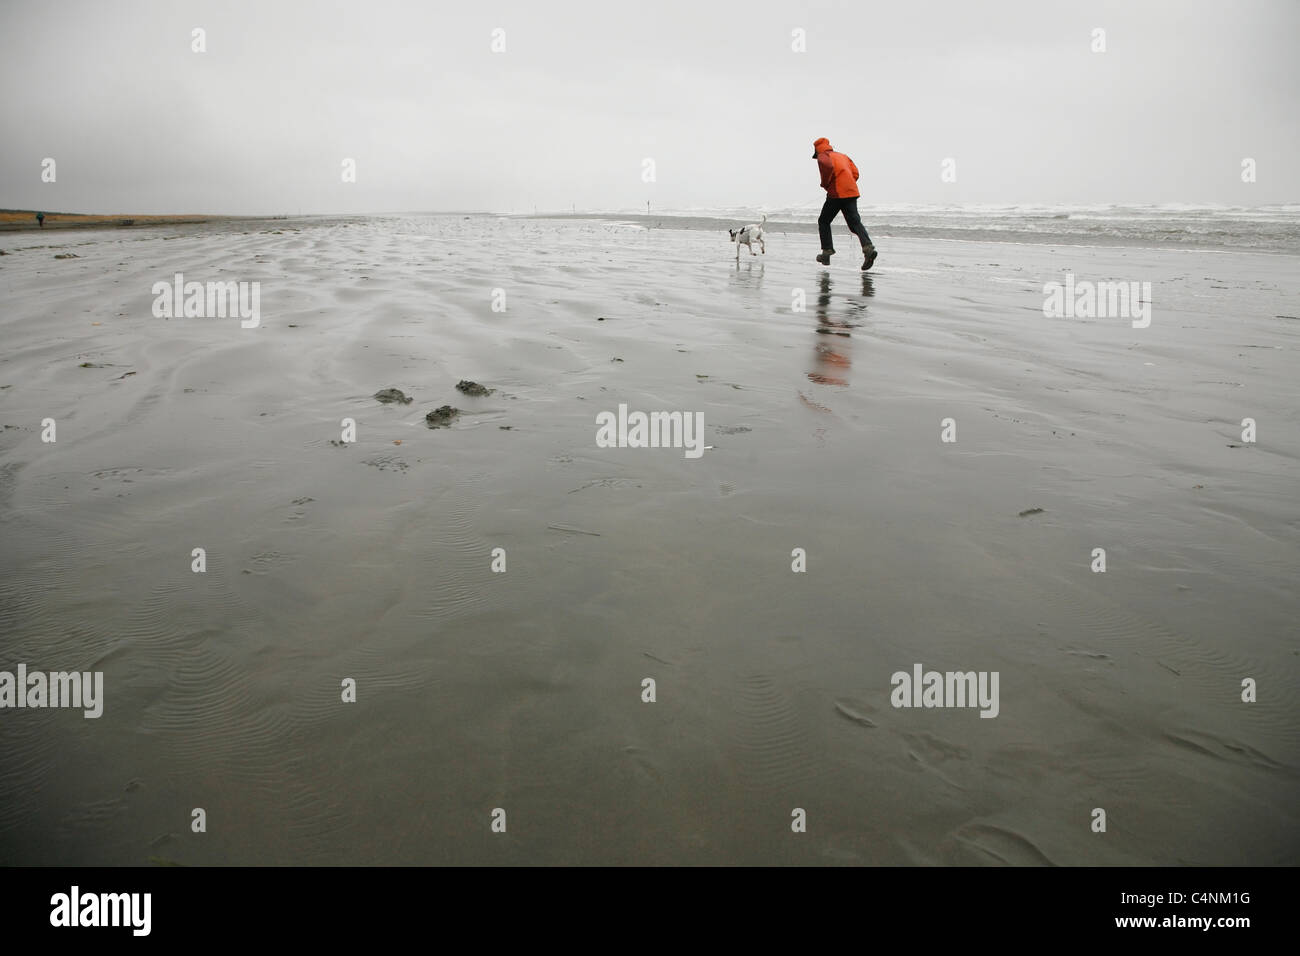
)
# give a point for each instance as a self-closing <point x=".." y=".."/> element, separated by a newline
<point x="135" y="906"/>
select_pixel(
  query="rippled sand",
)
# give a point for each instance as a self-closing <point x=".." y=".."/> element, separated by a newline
<point x="522" y="690"/>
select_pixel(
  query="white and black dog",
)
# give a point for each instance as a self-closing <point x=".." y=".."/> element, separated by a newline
<point x="748" y="235"/>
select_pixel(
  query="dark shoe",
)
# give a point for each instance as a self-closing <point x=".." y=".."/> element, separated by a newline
<point x="868" y="257"/>
<point x="825" y="257"/>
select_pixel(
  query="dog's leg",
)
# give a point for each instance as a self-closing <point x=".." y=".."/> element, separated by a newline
<point x="762" y="245"/>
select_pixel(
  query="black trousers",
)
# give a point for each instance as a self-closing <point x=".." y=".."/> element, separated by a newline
<point x="832" y="208"/>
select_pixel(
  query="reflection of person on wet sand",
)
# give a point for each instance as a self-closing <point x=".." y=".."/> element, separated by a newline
<point x="829" y="364"/>
<point x="832" y="357"/>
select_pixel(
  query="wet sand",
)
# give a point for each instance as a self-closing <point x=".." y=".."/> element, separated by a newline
<point x="522" y="690"/>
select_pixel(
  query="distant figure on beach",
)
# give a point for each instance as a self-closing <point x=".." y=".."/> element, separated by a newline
<point x="840" y="180"/>
<point x="40" y="218"/>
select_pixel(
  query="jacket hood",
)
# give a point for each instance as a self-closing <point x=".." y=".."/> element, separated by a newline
<point x="820" y="145"/>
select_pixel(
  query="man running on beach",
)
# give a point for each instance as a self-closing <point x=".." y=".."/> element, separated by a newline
<point x="40" y="219"/>
<point x="840" y="180"/>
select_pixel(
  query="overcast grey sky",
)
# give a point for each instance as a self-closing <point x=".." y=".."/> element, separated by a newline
<point x="585" y="91"/>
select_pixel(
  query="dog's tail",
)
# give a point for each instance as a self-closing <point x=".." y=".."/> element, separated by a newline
<point x="764" y="222"/>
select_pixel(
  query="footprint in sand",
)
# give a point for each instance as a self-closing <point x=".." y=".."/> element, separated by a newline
<point x="1004" y="846"/>
<point x="851" y="710"/>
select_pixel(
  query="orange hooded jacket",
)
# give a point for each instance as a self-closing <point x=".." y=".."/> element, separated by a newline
<point x="839" y="175"/>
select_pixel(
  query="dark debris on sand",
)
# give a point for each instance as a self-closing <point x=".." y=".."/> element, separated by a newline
<point x="389" y="395"/>
<point x="441" y="417"/>
<point x="473" y="388"/>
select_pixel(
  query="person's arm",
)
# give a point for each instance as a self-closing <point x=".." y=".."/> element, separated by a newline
<point x="854" y="167"/>
<point x="826" y="168"/>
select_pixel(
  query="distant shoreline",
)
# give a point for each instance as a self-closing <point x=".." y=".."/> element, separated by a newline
<point x="24" y="220"/>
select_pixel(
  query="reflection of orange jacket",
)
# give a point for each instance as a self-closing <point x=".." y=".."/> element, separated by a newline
<point x="839" y="175"/>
